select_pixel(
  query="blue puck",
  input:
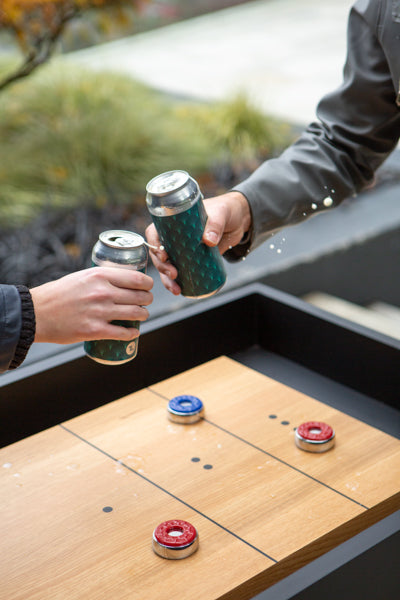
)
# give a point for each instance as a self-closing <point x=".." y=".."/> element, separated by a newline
<point x="185" y="409"/>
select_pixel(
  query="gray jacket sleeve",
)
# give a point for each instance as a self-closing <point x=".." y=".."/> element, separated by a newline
<point x="336" y="156"/>
<point x="10" y="324"/>
<point x="17" y="325"/>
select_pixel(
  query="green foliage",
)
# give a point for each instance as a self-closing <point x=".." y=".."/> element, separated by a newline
<point x="237" y="131"/>
<point x="72" y="137"/>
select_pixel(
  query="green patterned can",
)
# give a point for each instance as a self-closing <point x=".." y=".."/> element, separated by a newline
<point x="125" y="250"/>
<point x="175" y="203"/>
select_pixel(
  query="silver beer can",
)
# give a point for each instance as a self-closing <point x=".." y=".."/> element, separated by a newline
<point x="175" y="203"/>
<point x="125" y="250"/>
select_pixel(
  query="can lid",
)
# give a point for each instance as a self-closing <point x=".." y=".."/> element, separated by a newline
<point x="119" y="238"/>
<point x="168" y="182"/>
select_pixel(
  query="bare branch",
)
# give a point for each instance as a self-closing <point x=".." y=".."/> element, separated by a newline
<point x="43" y="48"/>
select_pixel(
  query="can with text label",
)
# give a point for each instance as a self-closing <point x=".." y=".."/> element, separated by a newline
<point x="175" y="203"/>
<point x="125" y="250"/>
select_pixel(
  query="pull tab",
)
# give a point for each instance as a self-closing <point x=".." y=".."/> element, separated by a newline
<point x="153" y="247"/>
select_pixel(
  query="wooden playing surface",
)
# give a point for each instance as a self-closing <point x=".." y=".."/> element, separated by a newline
<point x="262" y="507"/>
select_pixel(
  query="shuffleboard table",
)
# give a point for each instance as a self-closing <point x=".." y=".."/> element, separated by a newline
<point x="91" y="463"/>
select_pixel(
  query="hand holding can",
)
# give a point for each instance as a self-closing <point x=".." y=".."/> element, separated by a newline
<point x="176" y="206"/>
<point x="126" y="250"/>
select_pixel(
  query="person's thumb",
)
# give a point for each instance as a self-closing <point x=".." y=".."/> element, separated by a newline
<point x="214" y="228"/>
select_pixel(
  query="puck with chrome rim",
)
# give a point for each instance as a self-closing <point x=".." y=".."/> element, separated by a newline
<point x="185" y="409"/>
<point x="175" y="539"/>
<point x="315" y="436"/>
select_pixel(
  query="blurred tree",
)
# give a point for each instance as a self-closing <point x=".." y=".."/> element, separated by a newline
<point x="38" y="24"/>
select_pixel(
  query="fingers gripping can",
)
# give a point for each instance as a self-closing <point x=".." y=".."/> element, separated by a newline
<point x="125" y="250"/>
<point x="176" y="206"/>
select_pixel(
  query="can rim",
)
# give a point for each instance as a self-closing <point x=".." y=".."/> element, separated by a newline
<point x="134" y="240"/>
<point x="160" y="191"/>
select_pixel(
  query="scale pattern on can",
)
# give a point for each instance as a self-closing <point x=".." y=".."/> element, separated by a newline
<point x="200" y="271"/>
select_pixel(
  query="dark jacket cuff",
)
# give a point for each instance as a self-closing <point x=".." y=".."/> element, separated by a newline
<point x="241" y="250"/>
<point x="28" y="327"/>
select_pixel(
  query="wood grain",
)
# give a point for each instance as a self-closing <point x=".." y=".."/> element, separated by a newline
<point x="262" y="507"/>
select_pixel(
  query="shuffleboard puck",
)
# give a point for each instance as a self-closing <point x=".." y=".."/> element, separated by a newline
<point x="185" y="409"/>
<point x="175" y="539"/>
<point x="315" y="436"/>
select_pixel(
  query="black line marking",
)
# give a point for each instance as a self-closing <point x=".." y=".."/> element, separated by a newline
<point x="272" y="456"/>
<point x="167" y="492"/>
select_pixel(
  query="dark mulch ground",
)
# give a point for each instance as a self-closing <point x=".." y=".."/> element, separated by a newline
<point x="57" y="243"/>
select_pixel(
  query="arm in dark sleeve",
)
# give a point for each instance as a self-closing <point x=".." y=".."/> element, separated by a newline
<point x="358" y="127"/>
<point x="17" y="325"/>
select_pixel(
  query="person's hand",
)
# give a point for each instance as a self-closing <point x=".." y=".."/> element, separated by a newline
<point x="229" y="218"/>
<point x="80" y="306"/>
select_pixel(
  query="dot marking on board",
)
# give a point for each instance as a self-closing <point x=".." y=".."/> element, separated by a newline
<point x="196" y="459"/>
<point x="282" y="422"/>
<point x="107" y="509"/>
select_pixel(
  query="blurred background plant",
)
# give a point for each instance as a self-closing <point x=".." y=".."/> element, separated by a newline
<point x="73" y="137"/>
<point x="78" y="146"/>
<point x="37" y="26"/>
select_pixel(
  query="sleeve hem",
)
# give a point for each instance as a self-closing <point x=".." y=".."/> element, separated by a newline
<point x="28" y="327"/>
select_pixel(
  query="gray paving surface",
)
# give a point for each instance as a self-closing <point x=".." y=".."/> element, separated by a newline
<point x="284" y="53"/>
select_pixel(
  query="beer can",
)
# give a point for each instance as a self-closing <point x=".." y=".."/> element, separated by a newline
<point x="175" y="203"/>
<point x="125" y="250"/>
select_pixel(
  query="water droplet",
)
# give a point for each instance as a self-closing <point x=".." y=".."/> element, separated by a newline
<point x="272" y="246"/>
<point x="279" y="251"/>
<point x="243" y="258"/>
<point x="314" y="206"/>
<point x="328" y="201"/>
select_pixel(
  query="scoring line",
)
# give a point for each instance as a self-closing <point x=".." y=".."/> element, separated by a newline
<point x="283" y="462"/>
<point x="199" y="512"/>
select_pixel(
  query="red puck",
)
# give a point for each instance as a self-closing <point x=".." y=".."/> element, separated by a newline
<point x="315" y="430"/>
<point x="175" y="539"/>
<point x="315" y="436"/>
